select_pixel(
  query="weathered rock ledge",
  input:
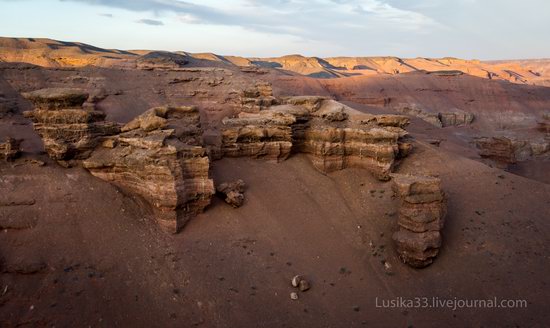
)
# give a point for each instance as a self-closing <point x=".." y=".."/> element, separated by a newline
<point x="334" y="135"/>
<point x="69" y="132"/>
<point x="159" y="156"/>
<point x="510" y="150"/>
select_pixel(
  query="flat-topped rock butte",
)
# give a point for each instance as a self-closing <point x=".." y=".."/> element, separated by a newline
<point x="154" y="188"/>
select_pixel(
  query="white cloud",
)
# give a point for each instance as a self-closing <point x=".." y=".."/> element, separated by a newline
<point x="188" y="19"/>
<point x="430" y="28"/>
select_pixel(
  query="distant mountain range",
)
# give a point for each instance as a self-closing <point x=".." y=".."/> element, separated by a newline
<point x="52" y="53"/>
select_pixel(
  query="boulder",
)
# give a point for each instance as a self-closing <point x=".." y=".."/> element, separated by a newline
<point x="232" y="192"/>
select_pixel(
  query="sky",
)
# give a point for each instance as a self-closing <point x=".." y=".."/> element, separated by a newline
<point x="470" y="29"/>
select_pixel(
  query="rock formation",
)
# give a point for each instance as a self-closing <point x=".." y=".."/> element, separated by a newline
<point x="232" y="192"/>
<point x="339" y="137"/>
<point x="69" y="132"/>
<point x="260" y="135"/>
<point x="501" y="149"/>
<point x="159" y="156"/>
<point x="9" y="150"/>
<point x="510" y="150"/>
<point x="334" y="135"/>
<point x="422" y="212"/>
<point x="257" y="98"/>
<point x="456" y="118"/>
<point x="451" y="117"/>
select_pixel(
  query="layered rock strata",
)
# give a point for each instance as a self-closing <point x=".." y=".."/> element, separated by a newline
<point x="159" y="156"/>
<point x="456" y="118"/>
<point x="422" y="212"/>
<point x="257" y="98"/>
<point x="265" y="135"/>
<point x="453" y="117"/>
<point x="339" y="137"/>
<point x="9" y="150"/>
<point x="333" y="134"/>
<point x="510" y="150"/>
<point x="69" y="131"/>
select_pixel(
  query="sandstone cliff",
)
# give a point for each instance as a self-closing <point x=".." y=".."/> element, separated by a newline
<point x="159" y="156"/>
<point x="69" y="131"/>
<point x="333" y="134"/>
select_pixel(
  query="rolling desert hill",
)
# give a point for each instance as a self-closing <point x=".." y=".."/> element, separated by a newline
<point x="51" y="53"/>
<point x="81" y="241"/>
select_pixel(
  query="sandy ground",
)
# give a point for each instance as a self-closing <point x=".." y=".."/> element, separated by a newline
<point x="85" y="254"/>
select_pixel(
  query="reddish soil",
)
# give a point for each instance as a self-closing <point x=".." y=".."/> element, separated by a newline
<point x="76" y="251"/>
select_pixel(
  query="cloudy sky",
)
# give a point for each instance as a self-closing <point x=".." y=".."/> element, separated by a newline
<point x="482" y="29"/>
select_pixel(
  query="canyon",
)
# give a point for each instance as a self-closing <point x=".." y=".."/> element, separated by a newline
<point x="172" y="188"/>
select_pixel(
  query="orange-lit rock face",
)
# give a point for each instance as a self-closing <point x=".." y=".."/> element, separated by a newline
<point x="334" y="135"/>
<point x="51" y="53"/>
<point x="264" y="135"/>
<point x="159" y="156"/>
